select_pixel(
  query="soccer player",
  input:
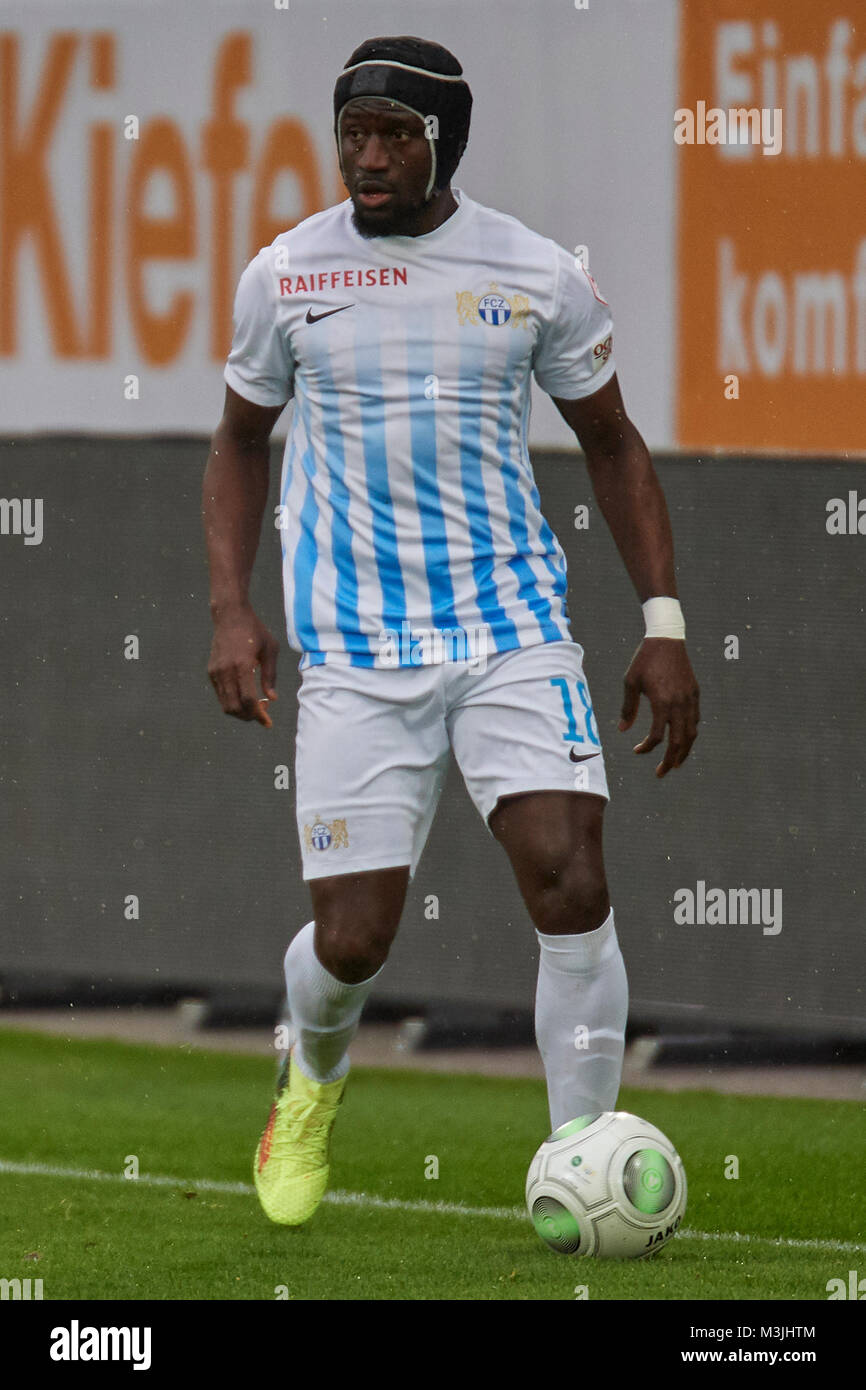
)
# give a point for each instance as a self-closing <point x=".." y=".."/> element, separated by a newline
<point x="423" y="586"/>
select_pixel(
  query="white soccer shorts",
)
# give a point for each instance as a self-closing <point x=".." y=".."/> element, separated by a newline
<point x="373" y="747"/>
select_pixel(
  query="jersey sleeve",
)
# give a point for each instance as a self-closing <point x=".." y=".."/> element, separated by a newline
<point x="260" y="366"/>
<point x="574" y="354"/>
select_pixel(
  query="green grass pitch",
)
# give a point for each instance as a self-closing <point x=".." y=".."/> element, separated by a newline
<point x="87" y="1107"/>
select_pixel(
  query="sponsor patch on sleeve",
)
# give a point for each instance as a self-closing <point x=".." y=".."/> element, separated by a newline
<point x="601" y="352"/>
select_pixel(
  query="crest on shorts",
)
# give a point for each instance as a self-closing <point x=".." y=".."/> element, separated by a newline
<point x="492" y="308"/>
<point x="323" y="834"/>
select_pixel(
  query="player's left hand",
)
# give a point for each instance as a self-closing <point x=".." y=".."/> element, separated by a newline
<point x="661" y="670"/>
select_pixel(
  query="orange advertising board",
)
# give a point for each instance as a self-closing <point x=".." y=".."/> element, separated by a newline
<point x="124" y="240"/>
<point x="771" y="249"/>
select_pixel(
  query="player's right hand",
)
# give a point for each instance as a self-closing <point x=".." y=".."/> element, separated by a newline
<point x="241" y="642"/>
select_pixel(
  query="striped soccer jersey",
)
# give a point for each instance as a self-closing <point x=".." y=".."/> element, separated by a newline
<point x="408" y="505"/>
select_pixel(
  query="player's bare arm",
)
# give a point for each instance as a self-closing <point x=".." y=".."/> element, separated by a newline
<point x="633" y="505"/>
<point x="234" y="495"/>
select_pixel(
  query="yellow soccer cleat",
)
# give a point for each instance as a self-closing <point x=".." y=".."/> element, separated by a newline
<point x="291" y="1165"/>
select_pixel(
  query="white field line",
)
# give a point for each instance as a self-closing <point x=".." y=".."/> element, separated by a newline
<point x="363" y="1200"/>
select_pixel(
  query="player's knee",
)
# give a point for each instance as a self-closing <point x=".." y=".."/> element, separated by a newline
<point x="568" y="894"/>
<point x="352" y="950"/>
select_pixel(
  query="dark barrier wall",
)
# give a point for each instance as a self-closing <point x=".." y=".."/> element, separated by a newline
<point x="122" y="777"/>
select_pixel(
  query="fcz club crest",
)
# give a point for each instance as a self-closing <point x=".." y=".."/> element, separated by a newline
<point x="493" y="308"/>
<point x="323" y="834"/>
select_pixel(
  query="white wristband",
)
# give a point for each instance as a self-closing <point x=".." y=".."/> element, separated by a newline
<point x="664" y="618"/>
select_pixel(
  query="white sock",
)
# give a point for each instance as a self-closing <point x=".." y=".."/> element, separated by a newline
<point x="324" y="1011"/>
<point x="581" y="1006"/>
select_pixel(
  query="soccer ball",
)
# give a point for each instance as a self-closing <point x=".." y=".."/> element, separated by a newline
<point x="610" y="1185"/>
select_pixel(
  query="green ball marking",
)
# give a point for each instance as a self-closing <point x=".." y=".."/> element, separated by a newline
<point x="556" y="1225"/>
<point x="649" y="1181"/>
<point x="572" y="1127"/>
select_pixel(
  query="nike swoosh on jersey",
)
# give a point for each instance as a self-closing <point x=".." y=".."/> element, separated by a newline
<point x="314" y="318"/>
<point x="579" y="757"/>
